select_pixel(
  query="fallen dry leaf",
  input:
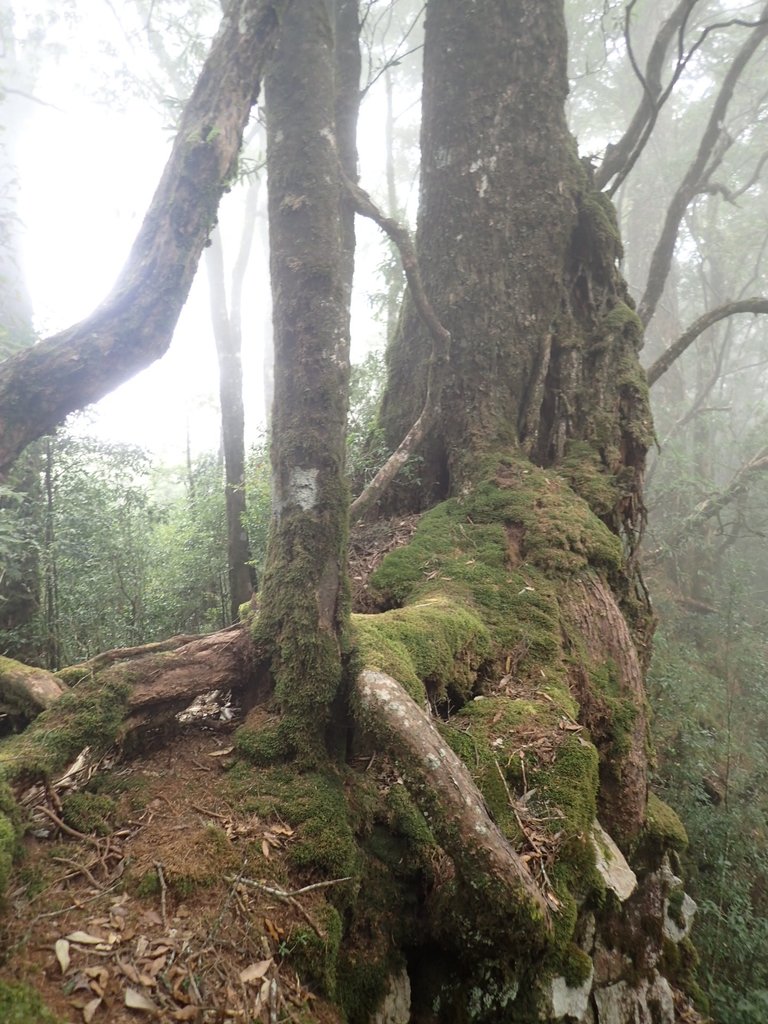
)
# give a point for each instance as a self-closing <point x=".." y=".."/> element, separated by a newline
<point x="62" y="954"/>
<point x="136" y="1001"/>
<point x="90" y="1009"/>
<point x="187" y="1013"/>
<point x="256" y="971"/>
<point x="85" y="939"/>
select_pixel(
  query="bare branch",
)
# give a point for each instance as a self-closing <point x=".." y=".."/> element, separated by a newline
<point x="621" y="157"/>
<point x="441" y="340"/>
<point x="713" y="505"/>
<point x="757" y="304"/>
<point x="709" y="156"/>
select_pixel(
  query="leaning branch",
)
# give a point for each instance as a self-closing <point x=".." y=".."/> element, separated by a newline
<point x="667" y="358"/>
<point x="441" y="341"/>
<point x="622" y="155"/>
<point x="714" y="505"/>
<point x="40" y="386"/>
<point x="450" y="800"/>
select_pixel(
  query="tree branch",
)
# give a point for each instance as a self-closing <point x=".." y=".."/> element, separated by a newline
<point x="620" y="157"/>
<point x="712" y="506"/>
<point x="667" y="358"/>
<point x="706" y="161"/>
<point x="441" y="341"/>
<point x="40" y="386"/>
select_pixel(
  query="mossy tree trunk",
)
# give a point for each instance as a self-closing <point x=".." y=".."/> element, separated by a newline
<point x="519" y="254"/>
<point x="304" y="595"/>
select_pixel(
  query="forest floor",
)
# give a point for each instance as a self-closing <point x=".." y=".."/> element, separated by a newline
<point x="159" y="918"/>
<point x="157" y="908"/>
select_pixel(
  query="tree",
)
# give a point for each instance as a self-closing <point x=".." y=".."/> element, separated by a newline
<point x="517" y="611"/>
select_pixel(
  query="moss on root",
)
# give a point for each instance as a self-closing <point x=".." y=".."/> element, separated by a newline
<point x="663" y="828"/>
<point x="434" y="647"/>
<point x="89" y="716"/>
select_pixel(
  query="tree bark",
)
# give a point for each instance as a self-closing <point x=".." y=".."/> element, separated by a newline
<point x="304" y="593"/>
<point x="42" y="385"/>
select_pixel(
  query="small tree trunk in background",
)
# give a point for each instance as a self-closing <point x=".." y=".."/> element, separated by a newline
<point x="52" y="654"/>
<point x="228" y="337"/>
<point x="304" y="594"/>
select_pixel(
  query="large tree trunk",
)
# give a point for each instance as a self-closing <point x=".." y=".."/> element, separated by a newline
<point x="513" y="613"/>
<point x="518" y="254"/>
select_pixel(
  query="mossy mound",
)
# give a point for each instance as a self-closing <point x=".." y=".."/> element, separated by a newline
<point x="20" y="1004"/>
<point x="663" y="828"/>
<point x="434" y="648"/>
<point x="89" y="813"/>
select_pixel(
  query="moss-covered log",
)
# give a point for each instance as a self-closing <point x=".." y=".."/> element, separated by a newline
<point x="26" y="691"/>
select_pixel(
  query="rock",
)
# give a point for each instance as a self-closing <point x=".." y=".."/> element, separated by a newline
<point x="650" y="1002"/>
<point x="569" y="1002"/>
<point x="396" y="1005"/>
<point x="679" y="908"/>
<point x="611" y="965"/>
<point x="612" y="865"/>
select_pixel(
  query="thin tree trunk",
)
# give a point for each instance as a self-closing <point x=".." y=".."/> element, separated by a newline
<point x="304" y="593"/>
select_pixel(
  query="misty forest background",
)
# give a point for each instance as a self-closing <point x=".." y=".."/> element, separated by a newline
<point x="102" y="545"/>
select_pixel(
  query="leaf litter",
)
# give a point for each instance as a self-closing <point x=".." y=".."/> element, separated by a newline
<point x="164" y="919"/>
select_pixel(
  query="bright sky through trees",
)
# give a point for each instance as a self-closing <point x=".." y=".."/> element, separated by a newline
<point x="87" y="169"/>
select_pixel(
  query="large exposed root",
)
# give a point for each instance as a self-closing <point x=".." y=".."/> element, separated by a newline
<point x="449" y="799"/>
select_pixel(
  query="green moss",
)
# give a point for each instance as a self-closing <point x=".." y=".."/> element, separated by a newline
<point x="572" y="964"/>
<point x="362" y="985"/>
<point x="622" y="319"/>
<point x="675" y="902"/>
<point x="89" y="716"/>
<point x="663" y="828"/>
<point x="20" y="1004"/>
<point x="619" y="712"/>
<point x="570" y="784"/>
<point x="584" y="469"/>
<point x="269" y="743"/>
<point x="8" y="845"/>
<point x="314" y="803"/>
<point x="73" y="674"/>
<point x="599" y="226"/>
<point x="434" y="646"/>
<point x="315" y="957"/>
<point x="406" y="820"/>
<point x="89" y="813"/>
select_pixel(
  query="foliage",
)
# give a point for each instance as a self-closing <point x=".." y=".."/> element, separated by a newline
<point x="709" y="690"/>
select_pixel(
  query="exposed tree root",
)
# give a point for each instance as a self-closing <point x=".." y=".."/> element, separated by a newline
<point x="448" y="797"/>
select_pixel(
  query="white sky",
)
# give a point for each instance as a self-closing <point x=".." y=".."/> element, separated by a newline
<point x="86" y="175"/>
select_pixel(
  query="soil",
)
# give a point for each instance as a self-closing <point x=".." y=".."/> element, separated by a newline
<point x="160" y="919"/>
